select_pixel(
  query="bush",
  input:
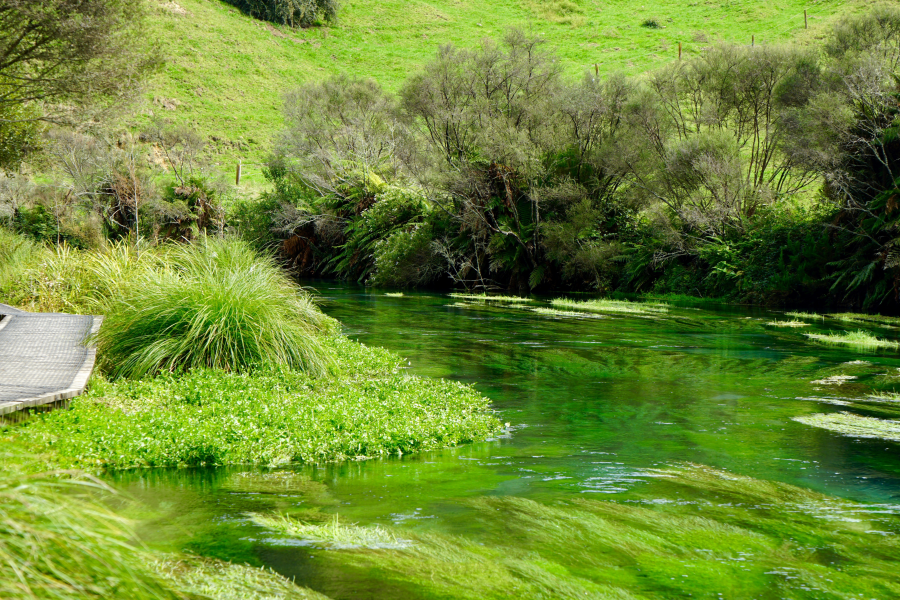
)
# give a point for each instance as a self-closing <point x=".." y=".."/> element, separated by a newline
<point x="217" y="304"/>
<point x="295" y="13"/>
<point x="270" y="416"/>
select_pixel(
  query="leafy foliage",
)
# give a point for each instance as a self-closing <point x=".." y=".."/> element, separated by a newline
<point x="294" y="13"/>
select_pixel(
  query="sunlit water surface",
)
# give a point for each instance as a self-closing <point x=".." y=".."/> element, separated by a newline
<point x="594" y="406"/>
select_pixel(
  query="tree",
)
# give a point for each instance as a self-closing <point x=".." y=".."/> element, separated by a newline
<point x="70" y="54"/>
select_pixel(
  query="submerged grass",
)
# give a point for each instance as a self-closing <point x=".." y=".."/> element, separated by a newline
<point x="611" y="306"/>
<point x="219" y="580"/>
<point x="793" y="323"/>
<point x="853" y="425"/>
<point x="805" y="315"/>
<point x="331" y="534"/>
<point x="57" y="542"/>
<point x="691" y="531"/>
<point x="269" y="417"/>
<point x="864" y="318"/>
<point x="492" y="298"/>
<point x="859" y="339"/>
<point x="553" y="312"/>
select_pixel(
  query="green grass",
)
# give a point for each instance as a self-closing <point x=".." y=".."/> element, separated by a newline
<point x="226" y="73"/>
<point x="394" y="294"/>
<point x="689" y="532"/>
<point x="491" y="298"/>
<point x="332" y="534"/>
<point x="864" y="318"/>
<point x="216" y="304"/>
<point x="219" y="580"/>
<point x="270" y="417"/>
<point x="853" y="425"/>
<point x="18" y="255"/>
<point x="794" y="323"/>
<point x="553" y="312"/>
<point x="860" y="340"/>
<point x="611" y="306"/>
<point x="805" y="315"/>
<point x="57" y="542"/>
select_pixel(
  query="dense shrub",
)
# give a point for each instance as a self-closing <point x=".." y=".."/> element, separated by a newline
<point x="217" y="304"/>
<point x="294" y="13"/>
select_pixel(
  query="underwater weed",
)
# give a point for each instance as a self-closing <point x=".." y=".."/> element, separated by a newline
<point x="611" y="306"/>
<point x="793" y="323"/>
<point x="853" y="425"/>
<point x="491" y="298"/>
<point x="332" y="534"/>
<point x="552" y="312"/>
<point x="859" y="339"/>
<point x="394" y="294"/>
<point x="805" y="315"/>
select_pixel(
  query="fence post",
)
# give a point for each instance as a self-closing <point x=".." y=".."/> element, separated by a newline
<point x="596" y="69"/>
<point x="679" y="50"/>
<point x="237" y="174"/>
<point x="805" y="21"/>
<point x="752" y="40"/>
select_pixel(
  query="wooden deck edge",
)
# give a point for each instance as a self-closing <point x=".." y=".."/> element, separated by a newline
<point x="5" y="320"/>
<point x="76" y="388"/>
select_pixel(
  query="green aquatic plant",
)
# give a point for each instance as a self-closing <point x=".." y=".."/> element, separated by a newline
<point x="864" y="318"/>
<point x="58" y="542"/>
<point x="689" y="531"/>
<point x="215" y="304"/>
<point x="859" y="339"/>
<point x="332" y="534"/>
<point x="220" y="580"/>
<point x="553" y="312"/>
<point x="793" y="323"/>
<point x="394" y="294"/>
<point x="805" y="315"/>
<point x="611" y="306"/>
<point x="267" y="417"/>
<point x="492" y="298"/>
<point x="853" y="425"/>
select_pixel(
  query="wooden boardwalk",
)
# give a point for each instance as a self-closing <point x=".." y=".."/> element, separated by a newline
<point x="43" y="358"/>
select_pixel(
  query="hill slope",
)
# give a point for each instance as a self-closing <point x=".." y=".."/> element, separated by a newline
<point x="226" y="72"/>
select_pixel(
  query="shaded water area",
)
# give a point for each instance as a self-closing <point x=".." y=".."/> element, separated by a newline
<point x="647" y="456"/>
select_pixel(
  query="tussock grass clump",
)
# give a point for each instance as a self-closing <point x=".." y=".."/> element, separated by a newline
<point x="611" y="306"/>
<point x="793" y="323"/>
<point x="18" y="254"/>
<point x="216" y="304"/>
<point x="331" y="534"/>
<point x="864" y="318"/>
<point x="57" y="542"/>
<point x="859" y="339"/>
<point x="853" y="425"/>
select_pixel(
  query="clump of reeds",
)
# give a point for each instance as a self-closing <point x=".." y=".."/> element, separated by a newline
<point x="218" y="304"/>
<point x="611" y="306"/>
<point x="859" y="339"/>
<point x="864" y="318"/>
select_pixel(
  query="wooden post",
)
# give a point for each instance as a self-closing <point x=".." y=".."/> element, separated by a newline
<point x="237" y="174"/>
<point x="596" y="69"/>
<point x="679" y="50"/>
<point x="752" y="40"/>
<point x="805" y="20"/>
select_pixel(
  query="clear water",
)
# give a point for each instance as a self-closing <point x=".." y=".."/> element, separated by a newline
<point x="594" y="405"/>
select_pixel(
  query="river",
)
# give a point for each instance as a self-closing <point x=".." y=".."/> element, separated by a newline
<point x="600" y="409"/>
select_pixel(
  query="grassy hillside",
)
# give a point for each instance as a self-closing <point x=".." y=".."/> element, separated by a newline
<point x="226" y="72"/>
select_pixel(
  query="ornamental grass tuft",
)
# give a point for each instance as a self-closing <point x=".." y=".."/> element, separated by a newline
<point x="216" y="304"/>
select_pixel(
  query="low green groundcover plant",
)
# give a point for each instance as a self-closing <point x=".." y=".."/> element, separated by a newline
<point x="269" y="416"/>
